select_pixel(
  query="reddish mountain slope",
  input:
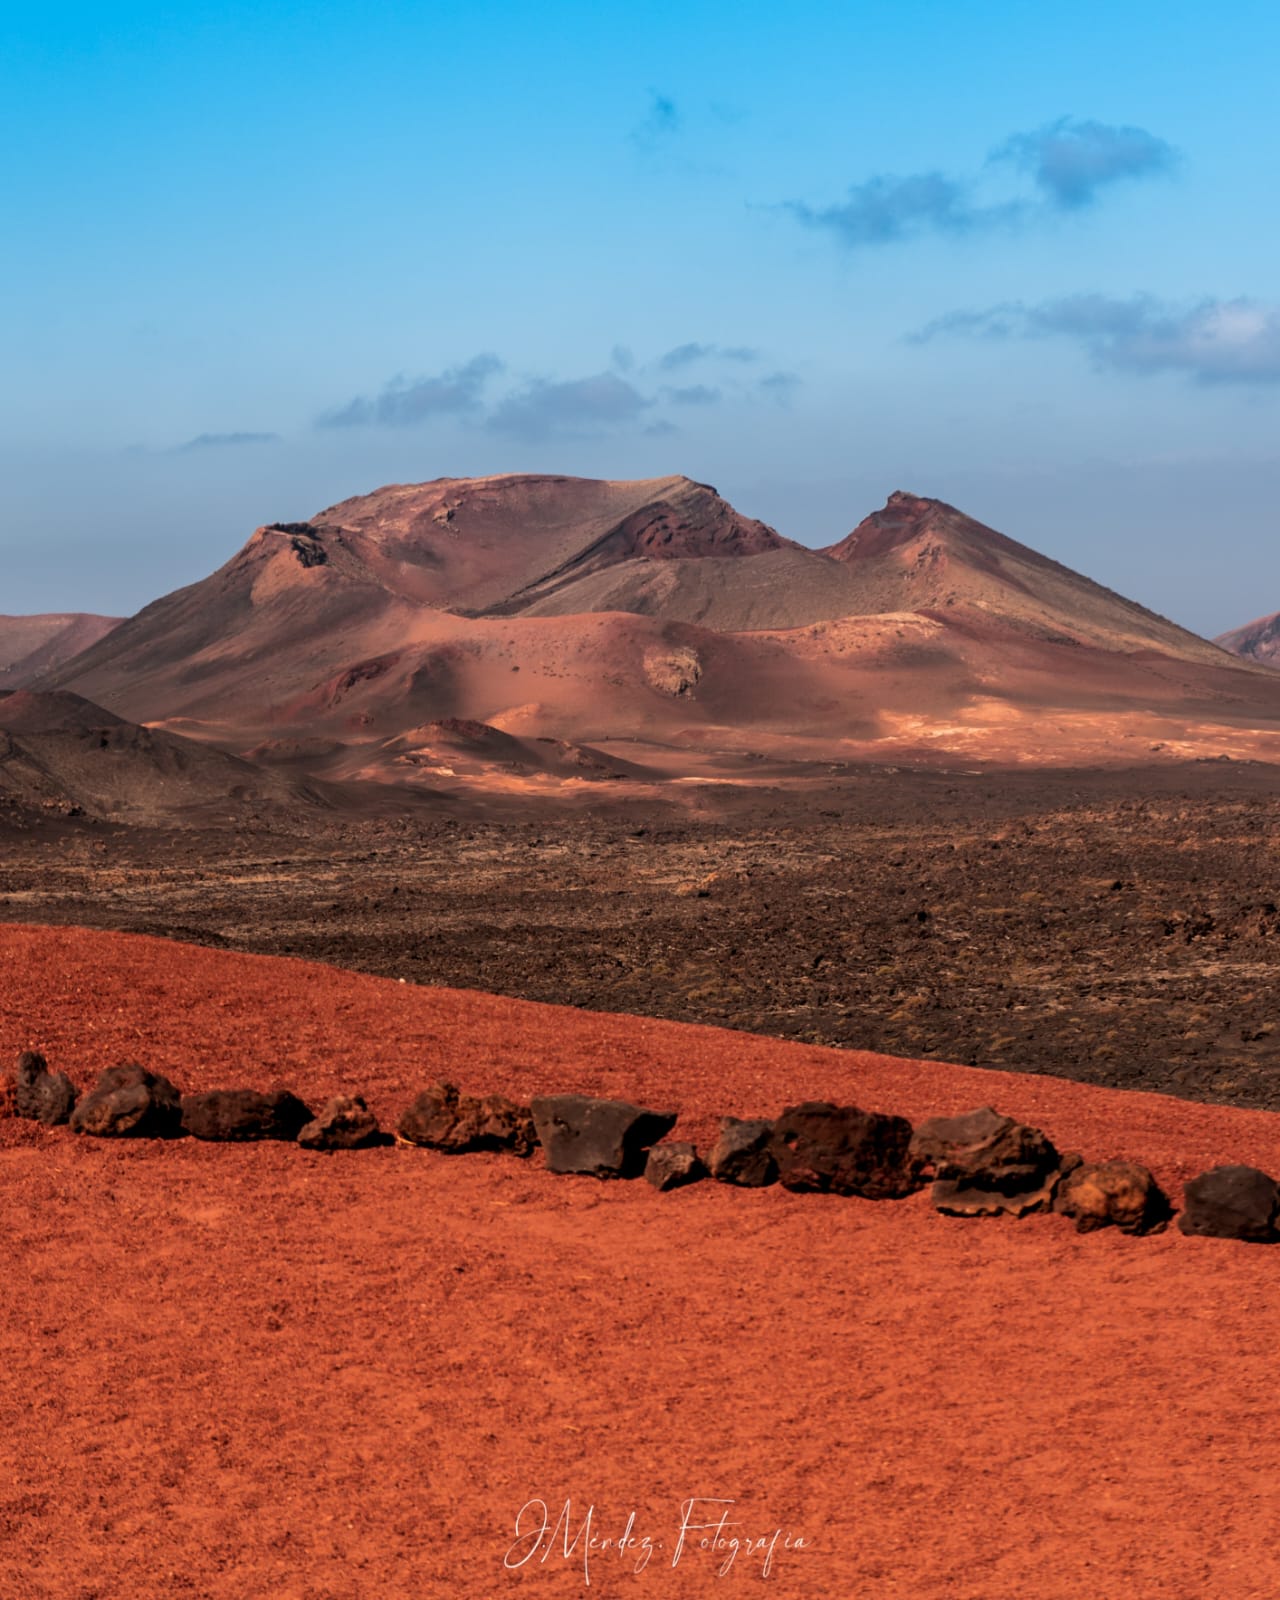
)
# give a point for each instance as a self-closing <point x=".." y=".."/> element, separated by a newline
<point x="1258" y="641"/>
<point x="305" y="603"/>
<point x="609" y="615"/>
<point x="925" y="556"/>
<point x="31" y="647"/>
<point x="496" y="544"/>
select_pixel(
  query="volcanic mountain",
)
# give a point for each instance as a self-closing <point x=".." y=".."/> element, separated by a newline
<point x="31" y="647"/>
<point x="926" y="557"/>
<point x="649" y="619"/>
<point x="1257" y="641"/>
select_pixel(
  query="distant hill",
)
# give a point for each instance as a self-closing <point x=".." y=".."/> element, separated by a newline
<point x="925" y="556"/>
<point x="1257" y="641"/>
<point x="60" y="755"/>
<point x="648" y="626"/>
<point x="31" y="647"/>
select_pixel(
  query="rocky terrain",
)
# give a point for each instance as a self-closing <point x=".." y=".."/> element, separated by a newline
<point x="1118" y="928"/>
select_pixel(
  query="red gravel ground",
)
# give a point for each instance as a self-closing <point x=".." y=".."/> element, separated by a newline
<point x="253" y="1372"/>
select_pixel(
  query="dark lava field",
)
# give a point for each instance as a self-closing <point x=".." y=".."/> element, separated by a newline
<point x="1119" y="928"/>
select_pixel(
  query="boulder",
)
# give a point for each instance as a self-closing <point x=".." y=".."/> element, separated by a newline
<point x="826" y="1149"/>
<point x="985" y="1150"/>
<point x="742" y="1155"/>
<point x="1119" y="1194"/>
<point x="443" y="1119"/>
<point x="1232" y="1203"/>
<point x="41" y="1095"/>
<point x="671" y="1166"/>
<point x="600" y="1138"/>
<point x="986" y="1165"/>
<point x="130" y="1102"/>
<point x="346" y="1123"/>
<point x="235" y="1115"/>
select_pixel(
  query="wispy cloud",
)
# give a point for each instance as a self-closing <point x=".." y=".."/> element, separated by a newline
<point x="625" y="395"/>
<point x="456" y="391"/>
<point x="685" y="355"/>
<point x="1068" y="162"/>
<point x="884" y="209"/>
<point x="220" y="441"/>
<point x="1212" y="341"/>
<point x="577" y="405"/>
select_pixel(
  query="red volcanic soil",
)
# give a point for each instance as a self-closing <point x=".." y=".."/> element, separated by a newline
<point x="250" y="1371"/>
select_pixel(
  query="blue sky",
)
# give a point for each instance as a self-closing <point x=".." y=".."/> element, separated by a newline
<point x="261" y="257"/>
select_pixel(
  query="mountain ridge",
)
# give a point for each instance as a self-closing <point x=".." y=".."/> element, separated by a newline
<point x="609" y="614"/>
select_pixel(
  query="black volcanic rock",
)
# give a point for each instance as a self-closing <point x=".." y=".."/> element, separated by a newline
<point x="128" y="1101"/>
<point x="1232" y="1203"/>
<point x="742" y="1153"/>
<point x="41" y="1095"/>
<point x="345" y="1123"/>
<point x="828" y="1149"/>
<point x="1121" y="1194"/>
<point x="985" y="1149"/>
<point x="243" y="1114"/>
<point x="672" y="1166"/>
<point x="600" y="1138"/>
<point x="986" y="1164"/>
